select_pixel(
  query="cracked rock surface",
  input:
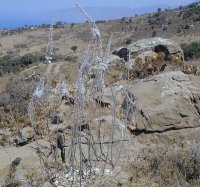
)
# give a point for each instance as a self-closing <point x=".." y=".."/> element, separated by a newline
<point x="164" y="102"/>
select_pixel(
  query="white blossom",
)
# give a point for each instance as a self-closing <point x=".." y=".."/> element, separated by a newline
<point x="63" y="86"/>
<point x="38" y="93"/>
<point x="119" y="88"/>
<point x="95" y="33"/>
<point x="129" y="63"/>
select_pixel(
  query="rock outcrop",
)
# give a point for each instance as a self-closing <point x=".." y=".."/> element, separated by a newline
<point x="168" y="101"/>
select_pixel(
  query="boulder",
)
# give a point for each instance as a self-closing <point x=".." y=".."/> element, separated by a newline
<point x="168" y="101"/>
<point x="25" y="162"/>
<point x="122" y="53"/>
<point x="5" y="132"/>
<point x="116" y="69"/>
<point x="155" y="44"/>
<point x="149" y="57"/>
<point x="108" y="124"/>
<point x="24" y="136"/>
<point x="108" y="97"/>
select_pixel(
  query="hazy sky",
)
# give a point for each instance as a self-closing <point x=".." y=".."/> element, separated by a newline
<point x="49" y="5"/>
<point x="16" y="13"/>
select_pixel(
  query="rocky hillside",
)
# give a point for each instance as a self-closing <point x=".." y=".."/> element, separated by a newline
<point x="180" y="24"/>
<point x="128" y="115"/>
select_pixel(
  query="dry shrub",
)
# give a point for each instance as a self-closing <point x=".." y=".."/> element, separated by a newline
<point x="14" y="102"/>
<point x="43" y="112"/>
<point x="175" y="59"/>
<point x="160" y="56"/>
<point x="13" y="183"/>
<point x="70" y="71"/>
<point x="166" y="165"/>
<point x="190" y="69"/>
<point x="112" y="77"/>
<point x="54" y="80"/>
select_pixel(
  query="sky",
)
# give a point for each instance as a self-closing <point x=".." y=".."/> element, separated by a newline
<point x="43" y="5"/>
<point x="16" y="11"/>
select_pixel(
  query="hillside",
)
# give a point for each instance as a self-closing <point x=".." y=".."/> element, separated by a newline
<point x="118" y="106"/>
<point x="181" y="24"/>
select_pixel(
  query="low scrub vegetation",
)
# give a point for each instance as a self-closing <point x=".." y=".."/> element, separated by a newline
<point x="173" y="165"/>
<point x="191" y="50"/>
<point x="14" y="101"/>
<point x="10" y="64"/>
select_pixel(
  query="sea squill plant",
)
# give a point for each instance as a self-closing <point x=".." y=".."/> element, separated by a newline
<point x="37" y="94"/>
<point x="63" y="86"/>
<point x="49" y="51"/>
<point x="100" y="64"/>
<point x="100" y="151"/>
<point x="89" y="152"/>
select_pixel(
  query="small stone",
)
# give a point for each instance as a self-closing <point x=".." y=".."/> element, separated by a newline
<point x="24" y="136"/>
<point x="16" y="162"/>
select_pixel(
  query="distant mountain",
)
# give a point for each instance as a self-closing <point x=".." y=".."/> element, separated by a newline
<point x="103" y="13"/>
<point x="72" y="15"/>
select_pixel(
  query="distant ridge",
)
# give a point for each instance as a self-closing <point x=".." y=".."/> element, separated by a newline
<point x="73" y="15"/>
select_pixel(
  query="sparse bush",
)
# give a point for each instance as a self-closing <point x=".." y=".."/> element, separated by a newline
<point x="159" y="10"/>
<point x="157" y="14"/>
<point x="1" y="72"/>
<point x="128" y="41"/>
<point x="179" y="30"/>
<point x="74" y="48"/>
<point x="71" y="58"/>
<point x="154" y="33"/>
<point x="164" y="28"/>
<point x="192" y="5"/>
<point x="10" y="64"/>
<point x="59" y="23"/>
<point x="100" y="21"/>
<point x="20" y="45"/>
<point x="26" y="60"/>
<point x="169" y="22"/>
<point x="186" y="26"/>
<point x="191" y="50"/>
<point x="168" y="166"/>
<point x="14" y="102"/>
<point x="123" y="19"/>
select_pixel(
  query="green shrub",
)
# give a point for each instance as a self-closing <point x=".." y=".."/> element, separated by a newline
<point x="100" y="21"/>
<point x="9" y="63"/>
<point x="191" y="50"/>
<point x="74" y="48"/>
<point x="71" y="58"/>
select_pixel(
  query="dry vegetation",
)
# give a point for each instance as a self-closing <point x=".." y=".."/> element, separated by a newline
<point x="157" y="164"/>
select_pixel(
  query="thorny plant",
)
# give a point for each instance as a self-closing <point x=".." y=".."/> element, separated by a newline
<point x="94" y="147"/>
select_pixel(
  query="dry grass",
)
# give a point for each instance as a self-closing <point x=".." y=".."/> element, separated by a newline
<point x="167" y="165"/>
<point x="70" y="71"/>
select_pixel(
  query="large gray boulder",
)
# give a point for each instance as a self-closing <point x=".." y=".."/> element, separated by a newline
<point x="168" y="101"/>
